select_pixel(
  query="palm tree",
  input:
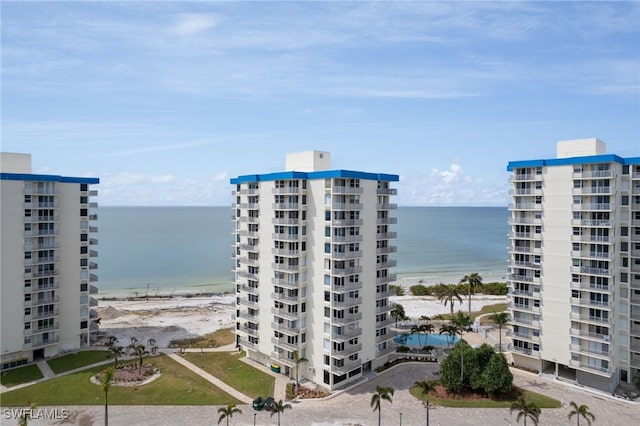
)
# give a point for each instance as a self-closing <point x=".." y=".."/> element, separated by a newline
<point x="111" y="340"/>
<point x="500" y="318"/>
<point x="279" y="407"/>
<point x="24" y="418"/>
<point x="228" y="411"/>
<point x="526" y="409"/>
<point x="448" y="294"/>
<point x="473" y="281"/>
<point x="382" y="393"/>
<point x="581" y="411"/>
<point x="116" y="351"/>
<point x="140" y="352"/>
<point x="449" y="329"/>
<point x="297" y="360"/>
<point x="153" y="344"/>
<point x="398" y="313"/>
<point x="462" y="321"/>
<point x="425" y="387"/>
<point x="106" y="385"/>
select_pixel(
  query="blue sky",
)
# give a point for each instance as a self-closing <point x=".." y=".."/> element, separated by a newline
<point x="165" y="101"/>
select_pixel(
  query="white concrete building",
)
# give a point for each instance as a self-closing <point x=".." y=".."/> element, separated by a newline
<point x="574" y="254"/>
<point x="48" y="264"/>
<point x="312" y="268"/>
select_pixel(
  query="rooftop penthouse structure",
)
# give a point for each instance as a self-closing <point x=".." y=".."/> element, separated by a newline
<point x="48" y="263"/>
<point x="574" y="264"/>
<point x="313" y="259"/>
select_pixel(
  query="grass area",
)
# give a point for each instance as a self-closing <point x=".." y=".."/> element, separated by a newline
<point x="541" y="400"/>
<point x="20" y="375"/>
<point x="216" y="339"/>
<point x="237" y="374"/>
<point x="76" y="360"/>
<point x="176" y="386"/>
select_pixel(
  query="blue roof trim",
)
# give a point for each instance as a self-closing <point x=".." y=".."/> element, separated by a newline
<point x="591" y="159"/>
<point x="325" y="174"/>
<point x="47" y="178"/>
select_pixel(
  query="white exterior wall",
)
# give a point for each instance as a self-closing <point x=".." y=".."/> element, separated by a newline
<point x="12" y="271"/>
<point x="556" y="264"/>
<point x="22" y="294"/>
<point x="317" y="270"/>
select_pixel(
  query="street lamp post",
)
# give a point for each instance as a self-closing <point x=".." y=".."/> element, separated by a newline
<point x="426" y="404"/>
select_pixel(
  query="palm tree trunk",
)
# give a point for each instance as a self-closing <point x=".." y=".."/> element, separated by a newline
<point x="379" y="416"/>
<point x="500" y="336"/>
<point x="469" y="299"/>
<point x="106" y="410"/>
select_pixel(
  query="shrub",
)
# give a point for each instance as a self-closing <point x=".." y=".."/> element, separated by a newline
<point x="399" y="291"/>
<point x="420" y="290"/>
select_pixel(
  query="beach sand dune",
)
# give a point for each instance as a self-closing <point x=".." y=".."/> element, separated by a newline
<point x="167" y="319"/>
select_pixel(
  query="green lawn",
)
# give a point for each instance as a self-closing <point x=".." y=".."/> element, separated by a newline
<point x="176" y="386"/>
<point x="237" y="374"/>
<point x="20" y="375"/>
<point x="76" y="360"/>
<point x="542" y="400"/>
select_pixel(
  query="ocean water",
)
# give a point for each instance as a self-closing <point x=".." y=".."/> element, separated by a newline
<point x="178" y="250"/>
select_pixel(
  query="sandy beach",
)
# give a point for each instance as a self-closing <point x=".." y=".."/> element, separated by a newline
<point x="178" y="317"/>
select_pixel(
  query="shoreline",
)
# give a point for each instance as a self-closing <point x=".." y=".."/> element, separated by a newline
<point x="404" y="280"/>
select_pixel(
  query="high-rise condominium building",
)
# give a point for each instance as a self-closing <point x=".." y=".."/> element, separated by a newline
<point x="574" y="255"/>
<point x="47" y="257"/>
<point x="312" y="269"/>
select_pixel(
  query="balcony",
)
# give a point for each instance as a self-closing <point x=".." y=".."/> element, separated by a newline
<point x="284" y="313"/>
<point x="524" y="177"/>
<point x="287" y="237"/>
<point x="293" y="190"/>
<point x="246" y="302"/>
<point x="249" y="247"/>
<point x="42" y="301"/>
<point x="41" y="232"/>
<point x="389" y="349"/>
<point x="41" y="260"/>
<point x="385" y="294"/>
<point x="591" y="271"/>
<point x="387" y="191"/>
<point x="286" y="221"/>
<point x="39" y="315"/>
<point x="287" y="284"/>
<point x="346" y="350"/>
<point x="586" y="238"/>
<point x="592" y="190"/>
<point x="347" y="286"/>
<point x="285" y="298"/>
<point x="590" y="335"/>
<point x="347" y="302"/>
<point x="391" y="263"/>
<point x="288" y="206"/>
<point x="249" y="289"/>
<point x="386" y="250"/>
<point x="386" y="220"/>
<point x="593" y="174"/>
<point x="388" y="279"/>
<point x="346" y="367"/>
<point x="346" y="222"/>
<point x="386" y="206"/>
<point x="40" y="191"/>
<point x="341" y="189"/>
<point x="524" y="221"/>
<point x="593" y="223"/>
<point x="593" y="207"/>
<point x="284" y="344"/>
<point x="525" y="206"/>
<point x="248" y="262"/>
<point x="523" y="351"/>
<point x="383" y="309"/>
<point x="347" y="206"/>
<point x="348" y="318"/>
<point x="342" y="272"/>
<point x="346" y="254"/>
<point x="346" y="238"/>
<point x="41" y="342"/>
<point x="285" y="327"/>
<point x="346" y="334"/>
<point x="385" y="323"/>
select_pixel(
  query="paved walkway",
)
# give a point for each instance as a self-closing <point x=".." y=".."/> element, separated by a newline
<point x="351" y="406"/>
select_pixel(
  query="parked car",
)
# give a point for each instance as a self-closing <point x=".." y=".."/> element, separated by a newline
<point x="258" y="403"/>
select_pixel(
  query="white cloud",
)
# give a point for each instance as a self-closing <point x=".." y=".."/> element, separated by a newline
<point x="450" y="187"/>
<point x="188" y="24"/>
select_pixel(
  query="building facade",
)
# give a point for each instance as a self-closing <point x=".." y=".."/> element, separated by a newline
<point x="313" y="260"/>
<point x="574" y="264"/>
<point x="48" y="262"/>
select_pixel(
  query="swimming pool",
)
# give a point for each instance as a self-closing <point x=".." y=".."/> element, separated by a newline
<point x="432" y="339"/>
